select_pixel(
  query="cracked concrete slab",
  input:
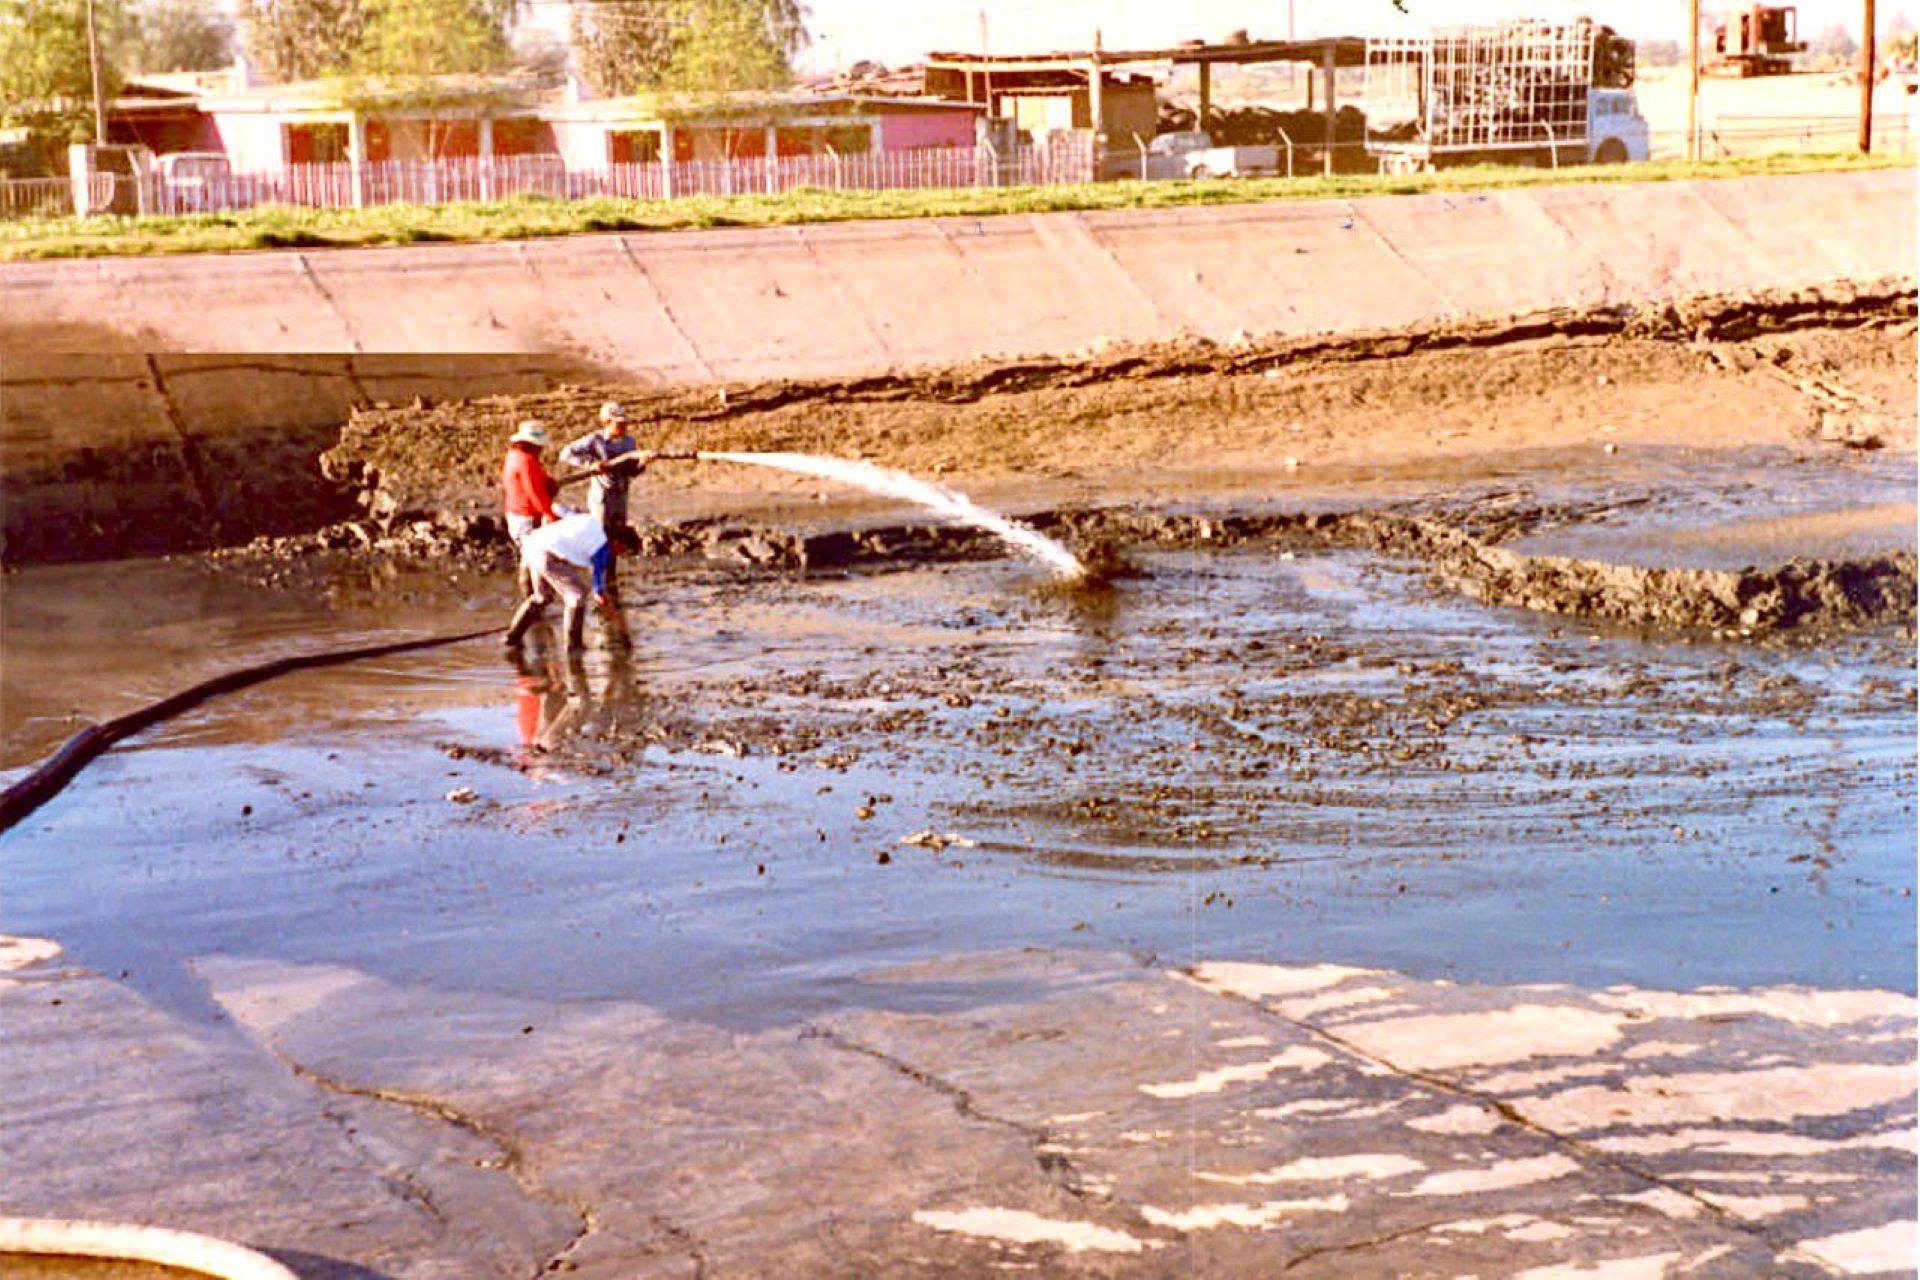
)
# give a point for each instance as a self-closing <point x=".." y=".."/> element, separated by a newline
<point x="114" y="1110"/>
<point x="1115" y="1119"/>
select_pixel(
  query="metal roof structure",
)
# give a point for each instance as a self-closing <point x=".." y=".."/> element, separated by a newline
<point x="971" y="76"/>
<point x="1346" y="51"/>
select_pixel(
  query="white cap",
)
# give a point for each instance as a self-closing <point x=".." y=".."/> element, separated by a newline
<point x="531" y="432"/>
<point x="612" y="412"/>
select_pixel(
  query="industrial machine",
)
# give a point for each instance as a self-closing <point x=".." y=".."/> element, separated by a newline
<point x="1518" y="93"/>
<point x="1756" y="42"/>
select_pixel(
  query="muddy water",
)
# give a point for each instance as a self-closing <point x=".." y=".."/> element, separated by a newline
<point x="1284" y="756"/>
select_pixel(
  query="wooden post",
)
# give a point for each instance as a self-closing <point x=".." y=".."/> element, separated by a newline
<point x="1327" y="69"/>
<point x="357" y="157"/>
<point x="93" y="65"/>
<point x="1866" y="80"/>
<point x="773" y="159"/>
<point x="1693" y="79"/>
<point x="1096" y="108"/>
<point x="486" y="158"/>
<point x="1206" y="95"/>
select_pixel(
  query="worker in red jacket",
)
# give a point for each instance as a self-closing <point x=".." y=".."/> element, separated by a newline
<point x="524" y="482"/>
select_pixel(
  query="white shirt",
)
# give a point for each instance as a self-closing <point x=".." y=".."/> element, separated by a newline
<point x="575" y="538"/>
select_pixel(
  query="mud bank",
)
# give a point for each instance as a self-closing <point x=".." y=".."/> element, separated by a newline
<point x="1084" y="413"/>
<point x="1460" y="544"/>
<point x="108" y="456"/>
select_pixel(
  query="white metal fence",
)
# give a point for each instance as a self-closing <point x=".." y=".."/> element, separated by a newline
<point x="457" y="180"/>
<point x="50" y="197"/>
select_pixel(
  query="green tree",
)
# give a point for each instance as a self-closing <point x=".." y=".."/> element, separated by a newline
<point x="687" y="46"/>
<point x="725" y="46"/>
<point x="623" y="46"/>
<point x="181" y="35"/>
<point x="46" y="78"/>
<point x="406" y="39"/>
<point x="301" y="39"/>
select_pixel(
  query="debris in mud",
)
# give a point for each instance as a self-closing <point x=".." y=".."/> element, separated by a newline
<point x="939" y="842"/>
<point x="1459" y="542"/>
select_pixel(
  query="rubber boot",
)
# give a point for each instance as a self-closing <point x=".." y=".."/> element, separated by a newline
<point x="523" y="618"/>
<point x="576" y="626"/>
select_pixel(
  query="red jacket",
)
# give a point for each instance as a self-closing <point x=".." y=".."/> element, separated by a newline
<point x="528" y="488"/>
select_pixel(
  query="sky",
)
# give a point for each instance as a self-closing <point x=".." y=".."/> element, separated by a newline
<point x="901" y="31"/>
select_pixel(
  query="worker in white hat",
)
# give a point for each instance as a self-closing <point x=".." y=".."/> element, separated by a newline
<point x="526" y="487"/>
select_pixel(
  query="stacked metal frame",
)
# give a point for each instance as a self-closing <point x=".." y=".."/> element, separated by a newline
<point x="1514" y="86"/>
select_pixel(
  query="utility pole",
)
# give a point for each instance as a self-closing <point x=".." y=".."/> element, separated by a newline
<point x="1693" y="78"/>
<point x="93" y="62"/>
<point x="1866" y="81"/>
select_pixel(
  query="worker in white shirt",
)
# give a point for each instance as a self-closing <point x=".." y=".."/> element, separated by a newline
<point x="567" y="561"/>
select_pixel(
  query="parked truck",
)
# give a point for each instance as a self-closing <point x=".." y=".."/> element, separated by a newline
<point x="1191" y="153"/>
<point x="1519" y="93"/>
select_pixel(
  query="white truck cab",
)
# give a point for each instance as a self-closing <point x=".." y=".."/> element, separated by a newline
<point x="1616" y="131"/>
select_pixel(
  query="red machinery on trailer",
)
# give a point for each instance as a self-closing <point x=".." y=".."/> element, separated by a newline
<point x="1756" y="42"/>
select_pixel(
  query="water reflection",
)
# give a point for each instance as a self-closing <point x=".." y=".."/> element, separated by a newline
<point x="571" y="712"/>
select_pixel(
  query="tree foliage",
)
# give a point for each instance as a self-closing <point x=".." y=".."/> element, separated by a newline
<point x="377" y="39"/>
<point x="405" y="39"/>
<point x="687" y="46"/>
<point x="725" y="46"/>
<point x="181" y="35"/>
<point x="624" y="46"/>
<point x="46" y="78"/>
<point x="301" y="39"/>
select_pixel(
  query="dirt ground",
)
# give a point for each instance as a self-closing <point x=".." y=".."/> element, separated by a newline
<point x="1808" y="375"/>
<point x="1440" y="446"/>
<point x="1816" y="111"/>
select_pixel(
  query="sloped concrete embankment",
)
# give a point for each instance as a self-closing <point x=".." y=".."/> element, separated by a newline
<point x="854" y="298"/>
<point x="122" y="454"/>
<point x="170" y="403"/>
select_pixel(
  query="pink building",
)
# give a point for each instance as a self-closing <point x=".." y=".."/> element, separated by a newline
<point x="595" y="133"/>
<point x="265" y="130"/>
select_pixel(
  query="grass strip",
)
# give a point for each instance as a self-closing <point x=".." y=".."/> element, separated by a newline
<point x="526" y="217"/>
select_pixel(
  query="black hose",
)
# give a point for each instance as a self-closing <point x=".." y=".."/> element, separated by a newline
<point x="52" y="775"/>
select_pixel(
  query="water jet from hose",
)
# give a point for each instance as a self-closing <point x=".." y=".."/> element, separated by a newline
<point x="935" y="497"/>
